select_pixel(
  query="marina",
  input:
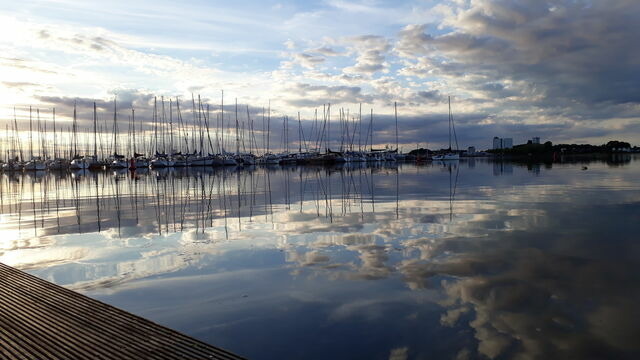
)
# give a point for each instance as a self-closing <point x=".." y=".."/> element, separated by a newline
<point x="162" y="142"/>
<point x="331" y="179"/>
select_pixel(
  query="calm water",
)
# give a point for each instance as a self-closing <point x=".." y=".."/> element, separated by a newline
<point x="466" y="260"/>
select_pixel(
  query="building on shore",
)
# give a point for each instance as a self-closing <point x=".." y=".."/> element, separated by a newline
<point x="502" y="143"/>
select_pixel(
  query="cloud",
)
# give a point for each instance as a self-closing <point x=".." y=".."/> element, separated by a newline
<point x="326" y="51"/>
<point x="307" y="95"/>
<point x="565" y="48"/>
<point x="370" y="51"/>
<point x="19" y="84"/>
<point x="308" y="61"/>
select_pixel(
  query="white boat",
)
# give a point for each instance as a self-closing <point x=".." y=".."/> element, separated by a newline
<point x="141" y="162"/>
<point x="271" y="159"/>
<point x="58" y="164"/>
<point x="159" y="162"/>
<point x="248" y="159"/>
<point x="35" y="164"/>
<point x="12" y="166"/>
<point x="179" y="161"/>
<point x="229" y="161"/>
<point x="447" y="156"/>
<point x="118" y="163"/>
<point x="80" y="163"/>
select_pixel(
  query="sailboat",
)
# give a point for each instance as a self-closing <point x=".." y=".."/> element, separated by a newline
<point x="35" y="163"/>
<point x="14" y="162"/>
<point x="139" y="160"/>
<point x="78" y="162"/>
<point x="449" y="155"/>
<point x="117" y="161"/>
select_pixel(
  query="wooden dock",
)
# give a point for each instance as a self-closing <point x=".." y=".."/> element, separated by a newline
<point x="41" y="320"/>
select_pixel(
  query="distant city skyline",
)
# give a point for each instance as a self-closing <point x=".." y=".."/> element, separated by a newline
<point x="560" y="70"/>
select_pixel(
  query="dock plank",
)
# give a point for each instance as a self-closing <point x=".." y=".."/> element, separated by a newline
<point x="41" y="320"/>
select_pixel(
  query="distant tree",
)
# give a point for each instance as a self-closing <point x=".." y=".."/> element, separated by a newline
<point x="615" y="144"/>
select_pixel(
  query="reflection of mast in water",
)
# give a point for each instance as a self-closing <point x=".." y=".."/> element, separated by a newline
<point x="96" y="178"/>
<point x="33" y="207"/>
<point x="2" y="194"/>
<point x="302" y="187"/>
<point x="238" y="195"/>
<point x="343" y="200"/>
<point x="316" y="195"/>
<point x="373" y="196"/>
<point x="75" y="193"/>
<point x="361" y="193"/>
<point x="269" y="193"/>
<point x="19" y="204"/>
<point x="117" y="199"/>
<point x="253" y="189"/>
<point x="157" y="204"/>
<point x="452" y="188"/>
<point x="397" y="191"/>
<point x="224" y="204"/>
<point x="287" y="195"/>
<point x="328" y="209"/>
<point x="44" y="200"/>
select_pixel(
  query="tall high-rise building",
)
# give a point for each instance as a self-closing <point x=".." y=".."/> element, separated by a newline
<point x="497" y="143"/>
<point x="502" y="143"/>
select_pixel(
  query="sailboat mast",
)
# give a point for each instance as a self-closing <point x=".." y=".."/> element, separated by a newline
<point x="162" y="128"/>
<point x="115" y="128"/>
<point x="42" y="150"/>
<point x="155" y="123"/>
<point x="133" y="122"/>
<point x="222" y="121"/>
<point x="237" y="130"/>
<point x="449" y="123"/>
<point x="360" y="129"/>
<point x="55" y="139"/>
<point x="299" y="134"/>
<point x="395" y="110"/>
<point x="251" y="134"/>
<point x="95" y="132"/>
<point x="170" y="126"/>
<point x="371" y="129"/>
<point x="268" y="125"/>
<point x="30" y="135"/>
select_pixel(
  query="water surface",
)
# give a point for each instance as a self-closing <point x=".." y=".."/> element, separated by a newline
<point x="471" y="259"/>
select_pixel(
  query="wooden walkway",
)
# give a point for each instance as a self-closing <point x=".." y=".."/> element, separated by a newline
<point x="41" y="320"/>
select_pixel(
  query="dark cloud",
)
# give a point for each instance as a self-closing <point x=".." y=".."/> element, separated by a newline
<point x="556" y="55"/>
<point x="307" y="95"/>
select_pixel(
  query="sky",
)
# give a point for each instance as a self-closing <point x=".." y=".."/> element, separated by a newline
<point x="567" y="71"/>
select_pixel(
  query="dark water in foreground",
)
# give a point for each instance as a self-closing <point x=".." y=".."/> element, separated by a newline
<point x="464" y="260"/>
